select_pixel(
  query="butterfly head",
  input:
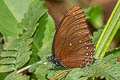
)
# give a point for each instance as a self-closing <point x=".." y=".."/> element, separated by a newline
<point x="53" y="60"/>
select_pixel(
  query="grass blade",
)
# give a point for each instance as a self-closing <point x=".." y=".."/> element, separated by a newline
<point x="109" y="32"/>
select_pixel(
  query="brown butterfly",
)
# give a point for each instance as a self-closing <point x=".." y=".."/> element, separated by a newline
<point x="72" y="45"/>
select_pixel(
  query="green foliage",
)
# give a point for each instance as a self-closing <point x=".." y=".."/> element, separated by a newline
<point x="17" y="50"/>
<point x="29" y="50"/>
<point x="109" y="32"/>
<point x="46" y="46"/>
<point x="11" y="13"/>
<point x="95" y="16"/>
<point x="96" y="36"/>
<point x="14" y="76"/>
<point x="1" y="39"/>
<point x="2" y="76"/>
<point x="43" y="45"/>
<point x="44" y="36"/>
<point x="113" y="50"/>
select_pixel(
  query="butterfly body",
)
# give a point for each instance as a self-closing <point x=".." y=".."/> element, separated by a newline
<point x="72" y="45"/>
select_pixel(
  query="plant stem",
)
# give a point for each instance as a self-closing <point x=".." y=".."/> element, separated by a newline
<point x="27" y="67"/>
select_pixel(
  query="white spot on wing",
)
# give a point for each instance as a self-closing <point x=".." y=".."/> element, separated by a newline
<point x="75" y="16"/>
<point x="70" y="44"/>
<point x="73" y="13"/>
<point x="86" y="54"/>
<point x="87" y="47"/>
<point x="85" y="43"/>
<point x="80" y="41"/>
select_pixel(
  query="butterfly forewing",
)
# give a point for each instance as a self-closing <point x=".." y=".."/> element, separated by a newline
<point x="72" y="44"/>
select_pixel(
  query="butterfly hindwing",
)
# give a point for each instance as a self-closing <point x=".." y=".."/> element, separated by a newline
<point x="72" y="44"/>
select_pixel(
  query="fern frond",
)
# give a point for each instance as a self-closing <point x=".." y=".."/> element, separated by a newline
<point x="43" y="45"/>
<point x="14" y="76"/>
<point x="17" y="51"/>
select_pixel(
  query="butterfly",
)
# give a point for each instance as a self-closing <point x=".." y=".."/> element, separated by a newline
<point x="72" y="45"/>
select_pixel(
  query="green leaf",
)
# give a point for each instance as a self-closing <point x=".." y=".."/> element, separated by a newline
<point x="1" y="37"/>
<point x="114" y="50"/>
<point x="96" y="36"/>
<point x="2" y="76"/>
<point x="11" y="13"/>
<point x="95" y="16"/>
<point x="39" y="35"/>
<point x="37" y="40"/>
<point x="75" y="75"/>
<point x="1" y="43"/>
<point x="42" y="44"/>
<point x="17" y="51"/>
<point x="15" y="76"/>
<point x="109" y="32"/>
<point x="44" y="36"/>
<point x="106" y="68"/>
<point x="42" y="71"/>
<point x="18" y="8"/>
<point x="31" y="18"/>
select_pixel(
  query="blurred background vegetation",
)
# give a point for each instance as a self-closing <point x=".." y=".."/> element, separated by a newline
<point x="57" y="8"/>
